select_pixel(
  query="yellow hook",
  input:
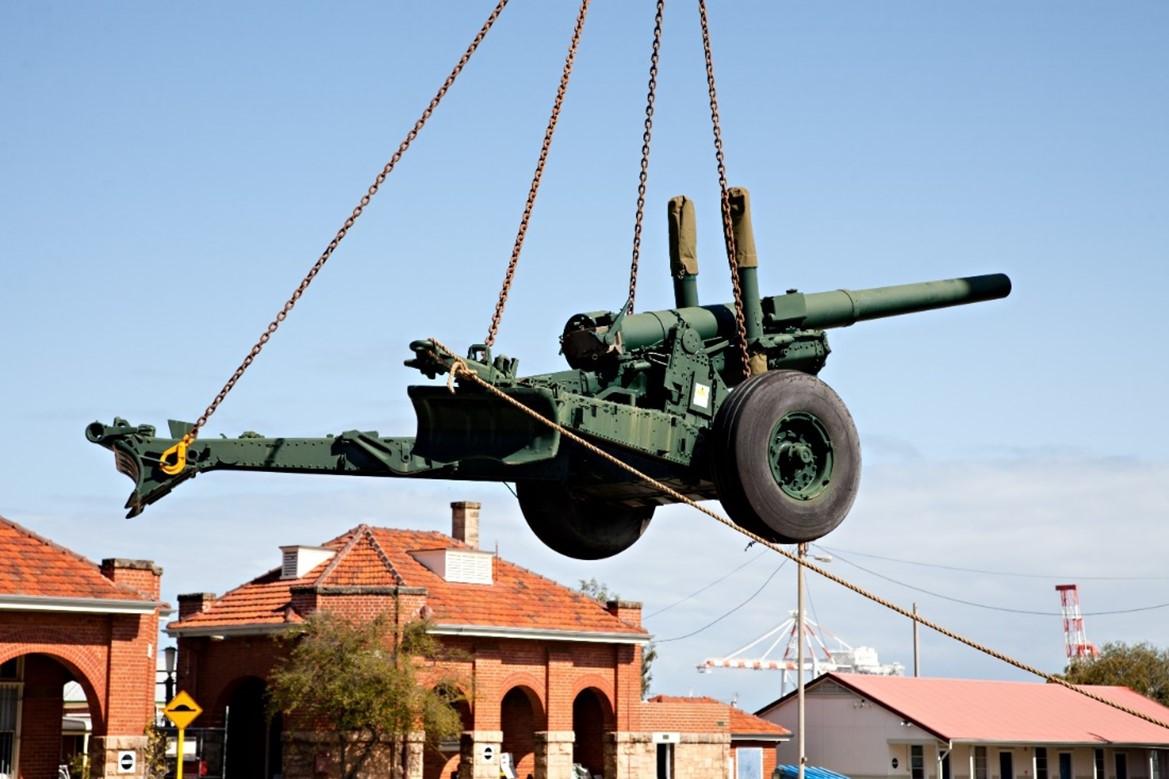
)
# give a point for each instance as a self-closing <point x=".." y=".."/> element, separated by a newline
<point x="174" y="460"/>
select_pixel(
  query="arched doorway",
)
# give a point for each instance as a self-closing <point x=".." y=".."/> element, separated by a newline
<point x="592" y="717"/>
<point x="521" y="715"/>
<point x="32" y="714"/>
<point x="441" y="761"/>
<point x="254" y="742"/>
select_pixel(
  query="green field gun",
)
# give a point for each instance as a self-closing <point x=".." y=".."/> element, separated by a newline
<point x="661" y="390"/>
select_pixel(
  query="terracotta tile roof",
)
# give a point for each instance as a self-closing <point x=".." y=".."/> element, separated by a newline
<point x="381" y="557"/>
<point x="744" y="724"/>
<point x="36" y="567"/>
<point x="702" y="714"/>
<point x="1018" y="712"/>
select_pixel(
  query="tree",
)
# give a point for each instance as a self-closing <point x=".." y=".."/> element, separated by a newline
<point x="358" y="681"/>
<point x="1142" y="668"/>
<point x="599" y="591"/>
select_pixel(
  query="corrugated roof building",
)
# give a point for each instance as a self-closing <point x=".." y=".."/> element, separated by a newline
<point x="932" y="728"/>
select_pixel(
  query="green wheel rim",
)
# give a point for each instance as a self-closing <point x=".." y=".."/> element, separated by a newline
<point x="800" y="455"/>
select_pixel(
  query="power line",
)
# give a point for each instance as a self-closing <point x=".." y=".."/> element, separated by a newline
<point x="994" y="573"/>
<point x="726" y="613"/>
<point x="989" y="607"/>
<point x="701" y="590"/>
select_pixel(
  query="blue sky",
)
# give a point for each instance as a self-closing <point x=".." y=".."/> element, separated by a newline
<point x="168" y="173"/>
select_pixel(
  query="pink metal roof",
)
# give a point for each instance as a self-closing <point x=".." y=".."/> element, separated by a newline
<point x="1016" y="712"/>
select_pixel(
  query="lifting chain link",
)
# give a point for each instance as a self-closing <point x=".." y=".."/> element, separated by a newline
<point x="522" y="232"/>
<point x="460" y="371"/>
<point x="341" y="233"/>
<point x="728" y="232"/>
<point x="646" y="137"/>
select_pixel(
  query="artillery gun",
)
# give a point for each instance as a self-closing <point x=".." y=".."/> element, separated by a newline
<point x="661" y="390"/>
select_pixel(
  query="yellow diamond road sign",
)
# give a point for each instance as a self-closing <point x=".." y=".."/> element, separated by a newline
<point x="182" y="710"/>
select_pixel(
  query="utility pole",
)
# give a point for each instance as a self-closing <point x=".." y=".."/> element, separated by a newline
<point x="802" y="551"/>
<point x="916" y="645"/>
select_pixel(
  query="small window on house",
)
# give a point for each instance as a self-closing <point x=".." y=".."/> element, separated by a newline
<point x="1121" y="759"/>
<point x="1098" y="764"/>
<point x="1040" y="762"/>
<point x="916" y="762"/>
<point x="980" y="763"/>
<point x="10" y="671"/>
<point x="9" y="707"/>
<point x="946" y="766"/>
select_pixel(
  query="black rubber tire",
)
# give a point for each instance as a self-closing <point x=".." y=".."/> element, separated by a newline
<point x="742" y="471"/>
<point x="580" y="527"/>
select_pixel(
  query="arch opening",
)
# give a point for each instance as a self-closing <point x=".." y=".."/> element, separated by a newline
<point x="49" y="710"/>
<point x="441" y="761"/>
<point x="254" y="740"/>
<point x="521" y="715"/>
<point x="592" y="717"/>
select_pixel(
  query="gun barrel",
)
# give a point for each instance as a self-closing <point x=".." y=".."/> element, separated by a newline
<point x="816" y="310"/>
<point x="841" y="308"/>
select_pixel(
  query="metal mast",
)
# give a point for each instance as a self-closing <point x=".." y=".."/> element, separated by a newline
<point x="1075" y="640"/>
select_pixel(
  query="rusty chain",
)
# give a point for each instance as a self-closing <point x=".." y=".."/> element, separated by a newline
<point x="724" y="195"/>
<point x="545" y="147"/>
<point x="460" y="370"/>
<point x="258" y="347"/>
<point x="646" y="137"/>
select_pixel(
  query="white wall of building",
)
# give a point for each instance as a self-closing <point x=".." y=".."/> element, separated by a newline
<point x="859" y="738"/>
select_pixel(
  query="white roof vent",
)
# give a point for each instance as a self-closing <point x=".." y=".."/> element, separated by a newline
<point x="299" y="560"/>
<point x="466" y="566"/>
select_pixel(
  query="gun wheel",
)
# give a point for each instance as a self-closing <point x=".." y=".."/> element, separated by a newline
<point x="786" y="457"/>
<point x="580" y="527"/>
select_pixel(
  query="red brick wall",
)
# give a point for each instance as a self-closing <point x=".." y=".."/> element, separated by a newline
<point x="552" y="673"/>
<point x="112" y="656"/>
<point x="78" y="641"/>
<point x="40" y="741"/>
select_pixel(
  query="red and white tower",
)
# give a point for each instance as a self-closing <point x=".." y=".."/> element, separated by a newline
<point x="1075" y="641"/>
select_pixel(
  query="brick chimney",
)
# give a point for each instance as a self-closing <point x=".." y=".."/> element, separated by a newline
<point x="465" y="522"/>
<point x="141" y="575"/>
<point x="193" y="603"/>
<point x="627" y="611"/>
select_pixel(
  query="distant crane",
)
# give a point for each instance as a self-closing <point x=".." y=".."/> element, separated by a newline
<point x="1075" y="641"/>
<point x="819" y="656"/>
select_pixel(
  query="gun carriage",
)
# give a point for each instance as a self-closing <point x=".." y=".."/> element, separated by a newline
<point x="661" y="390"/>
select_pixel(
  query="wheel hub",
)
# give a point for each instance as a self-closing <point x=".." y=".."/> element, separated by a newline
<point x="800" y="454"/>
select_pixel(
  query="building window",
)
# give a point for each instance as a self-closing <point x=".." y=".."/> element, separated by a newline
<point x="946" y="765"/>
<point x="980" y="763"/>
<point x="665" y="761"/>
<point x="1006" y="765"/>
<point x="916" y="762"/>
<point x="1098" y="764"/>
<point x="749" y="763"/>
<point x="1040" y="762"/>
<point x="9" y="727"/>
<point x="1121" y="765"/>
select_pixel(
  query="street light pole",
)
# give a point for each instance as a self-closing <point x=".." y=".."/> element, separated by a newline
<point x="168" y="656"/>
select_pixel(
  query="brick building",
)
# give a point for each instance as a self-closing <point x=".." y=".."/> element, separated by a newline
<point x="552" y="677"/>
<point x="65" y="619"/>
